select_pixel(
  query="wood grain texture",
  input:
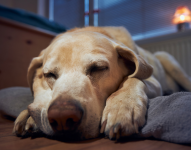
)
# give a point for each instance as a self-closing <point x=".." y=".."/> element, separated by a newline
<point x="11" y="142"/>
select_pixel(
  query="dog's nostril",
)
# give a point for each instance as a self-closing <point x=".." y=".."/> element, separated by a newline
<point x="70" y="122"/>
<point x="53" y="123"/>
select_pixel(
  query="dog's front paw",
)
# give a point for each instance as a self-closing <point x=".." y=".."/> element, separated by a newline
<point x="24" y="124"/>
<point x="123" y="114"/>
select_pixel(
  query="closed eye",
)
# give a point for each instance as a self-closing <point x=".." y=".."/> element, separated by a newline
<point x="50" y="75"/>
<point x="96" y="69"/>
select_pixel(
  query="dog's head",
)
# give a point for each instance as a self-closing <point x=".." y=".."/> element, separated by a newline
<point x="73" y="77"/>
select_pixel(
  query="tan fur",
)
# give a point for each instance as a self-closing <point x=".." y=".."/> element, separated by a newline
<point x="116" y="95"/>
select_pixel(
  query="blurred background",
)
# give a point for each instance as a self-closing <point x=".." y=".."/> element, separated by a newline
<point x="156" y="25"/>
<point x="143" y="18"/>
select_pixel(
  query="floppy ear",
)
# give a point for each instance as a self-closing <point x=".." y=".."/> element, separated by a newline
<point x="35" y="63"/>
<point x="140" y="68"/>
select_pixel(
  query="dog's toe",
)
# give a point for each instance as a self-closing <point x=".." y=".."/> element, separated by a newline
<point x="24" y="125"/>
<point x="30" y="125"/>
<point x="18" y="129"/>
<point x="19" y="126"/>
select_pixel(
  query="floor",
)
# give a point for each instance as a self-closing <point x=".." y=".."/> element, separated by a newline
<point x="11" y="142"/>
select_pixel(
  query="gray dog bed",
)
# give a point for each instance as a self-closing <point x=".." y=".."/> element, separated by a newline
<point x="168" y="117"/>
<point x="14" y="100"/>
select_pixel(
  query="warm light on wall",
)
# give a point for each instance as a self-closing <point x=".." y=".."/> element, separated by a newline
<point x="182" y="15"/>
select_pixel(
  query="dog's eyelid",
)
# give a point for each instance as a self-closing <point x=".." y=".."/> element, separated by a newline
<point x="97" y="67"/>
<point x="50" y="75"/>
<point x="99" y="63"/>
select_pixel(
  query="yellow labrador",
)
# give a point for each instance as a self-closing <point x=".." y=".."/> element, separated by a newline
<point x="92" y="76"/>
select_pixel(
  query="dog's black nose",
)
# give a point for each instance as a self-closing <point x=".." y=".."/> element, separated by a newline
<point x="65" y="115"/>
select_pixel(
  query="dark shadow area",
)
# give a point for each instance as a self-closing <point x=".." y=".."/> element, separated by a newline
<point x="64" y="138"/>
<point x="7" y="117"/>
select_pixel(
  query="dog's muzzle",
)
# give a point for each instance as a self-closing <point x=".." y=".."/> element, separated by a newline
<point x="65" y="115"/>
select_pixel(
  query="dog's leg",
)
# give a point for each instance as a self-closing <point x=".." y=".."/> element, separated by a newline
<point x="173" y="68"/>
<point x="24" y="123"/>
<point x="125" y="109"/>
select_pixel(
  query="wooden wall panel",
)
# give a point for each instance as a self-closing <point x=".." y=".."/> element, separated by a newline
<point x="19" y="43"/>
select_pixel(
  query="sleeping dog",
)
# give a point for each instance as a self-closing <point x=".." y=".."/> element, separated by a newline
<point x="96" y="79"/>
